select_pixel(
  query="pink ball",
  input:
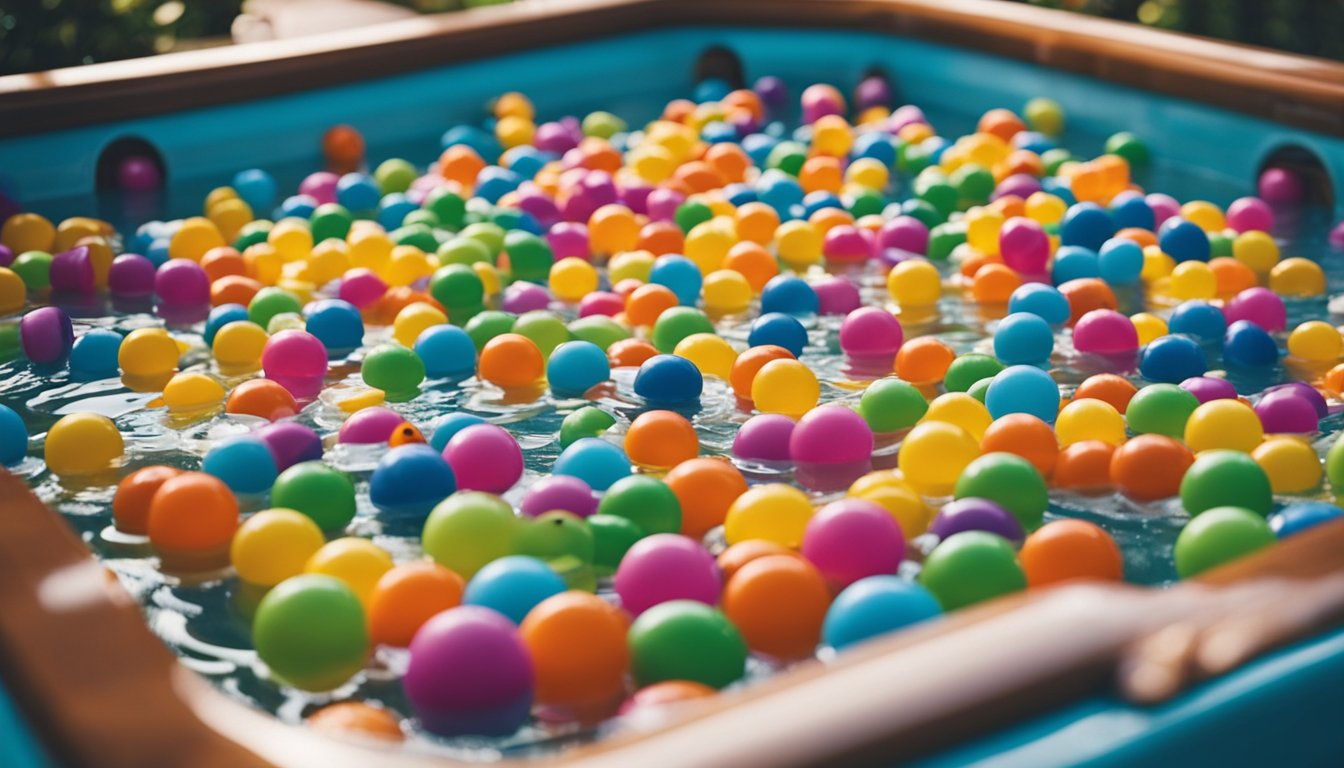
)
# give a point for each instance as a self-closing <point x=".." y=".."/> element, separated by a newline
<point x="72" y="272"/>
<point x="663" y="203"/>
<point x="523" y="297"/>
<point x="844" y="244"/>
<point x="836" y="295"/>
<point x="871" y="332"/>
<point x="1280" y="186"/>
<point x="1105" y="332"/>
<point x="553" y="137"/>
<point x="361" y="287"/>
<point x="601" y="303"/>
<point x="831" y="434"/>
<point x="1260" y="306"/>
<point x="559" y="492"/>
<point x="819" y="101"/>
<point x="1164" y="207"/>
<point x="369" y="426"/>
<point x="905" y="115"/>
<point x="635" y="196"/>
<point x="569" y="239"/>
<point x="296" y="360"/>
<point x="484" y="457"/>
<point x="1024" y="245"/>
<point x="320" y="186"/>
<point x="183" y="283"/>
<point x="905" y="233"/>
<point x="533" y="200"/>
<point x="851" y="539"/>
<point x="1250" y="213"/>
<point x="1206" y="388"/>
<point x="663" y="567"/>
<point x="1021" y="185"/>
<point x="131" y="276"/>
<point x="138" y="174"/>
<point x="764" y="437"/>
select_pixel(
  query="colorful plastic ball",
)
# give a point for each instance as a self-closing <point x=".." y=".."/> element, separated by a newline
<point x="1300" y="390"/>
<point x="513" y="586"/>
<point x="296" y="360"/>
<point x="322" y="493"/>
<point x="82" y="444"/>
<point x="94" y="353"/>
<point x="245" y="465"/>
<point x="1073" y="262"/>
<point x="1105" y="332"/>
<point x="1162" y="409"/>
<point x="790" y="295"/>
<point x="290" y="443"/>
<point x="831" y="434"/>
<point x="1260" y="306"/>
<point x="933" y="456"/>
<point x="666" y="567"/>
<point x="368" y="426"/>
<point x="1024" y="246"/>
<point x="686" y="640"/>
<point x="1023" y="389"/>
<point x="1290" y="463"/>
<point x="1218" y="478"/>
<point x="677" y="323"/>
<point x="1088" y="225"/>
<point x="410" y="480"/>
<point x="669" y="380"/>
<point x="785" y="386"/>
<point x="396" y="370"/>
<point x="192" y="519"/>
<point x="446" y="351"/>
<point x="1198" y="319"/>
<point x="1044" y="301"/>
<point x="274" y="545"/>
<point x="13" y="437"/>
<point x="71" y="272"/>
<point x="890" y="405"/>
<point x="1010" y="481"/>
<point x="1172" y="359"/>
<point x="712" y="354"/>
<point x="1283" y="411"/>
<point x="837" y="295"/>
<point x="1150" y="467"/>
<point x="1228" y="424"/>
<point x="971" y="567"/>
<point x="34" y="268"/>
<point x="1183" y="240"/>
<point x="1314" y="340"/>
<point x="594" y="461"/>
<point x="1026" y="436"/>
<point x="511" y="360"/>
<point x="46" y="335"/>
<point x="468" y="530"/>
<point x="1297" y="277"/>
<point x="1023" y="339"/>
<point x="239" y="346"/>
<point x="485" y="457"/>
<point x="1218" y="536"/>
<point x="961" y="409"/>
<point x="876" y="606"/>
<point x="1206" y="388"/>
<point x="976" y="514"/>
<point x="680" y="275"/>
<point x="130" y="503"/>
<point x="559" y="492"/>
<point x="262" y="398"/>
<point x="705" y="488"/>
<point x="1120" y="261"/>
<point x="575" y="367"/>
<point x="588" y="421"/>
<point x="871" y="333"/>
<point x="774" y="512"/>
<point x="1089" y="419"/>
<point x="778" y="603"/>
<point x="851" y="539"/>
<point x="337" y="324"/>
<point x="469" y="674"/>
<point x="647" y="501"/>
<point x="1070" y="550"/>
<point x="310" y="631"/>
<point x="780" y="330"/>
<point x="764" y="437"/>
<point x="661" y="439"/>
<point x="1247" y="344"/>
<point x="406" y="597"/>
<point x="1301" y="516"/>
<point x="577" y="642"/>
<point x="915" y="283"/>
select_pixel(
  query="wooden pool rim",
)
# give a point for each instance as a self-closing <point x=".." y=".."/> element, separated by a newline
<point x="1294" y="90"/>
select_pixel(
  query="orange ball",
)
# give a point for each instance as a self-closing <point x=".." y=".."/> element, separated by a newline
<point x="461" y="164"/>
<point x="699" y="176"/>
<point x="1150" y="467"/>
<point x="660" y="238"/>
<point x="757" y="222"/>
<point x="666" y="693"/>
<point x="1084" y="467"/>
<point x="233" y="289"/>
<point x="924" y="360"/>
<point x="1002" y="123"/>
<point x="1070" y="550"/>
<point x="407" y="596"/>
<point x="511" y="360"/>
<point x="343" y="147"/>
<point x="1026" y="436"/>
<point x="1086" y="294"/>
<point x="630" y="353"/>
<point x="1231" y="276"/>
<point x="731" y="560"/>
<point x="597" y="154"/>
<point x="778" y="602"/>
<point x="751" y="260"/>
<point x="1144" y="237"/>
<point x="578" y="649"/>
<point x="356" y="718"/>
<point x="994" y="283"/>
<point x="262" y="397"/>
<point x="821" y="173"/>
<point x="647" y="302"/>
<point x="661" y="439"/>
<point x="1334" y="379"/>
<point x="705" y="488"/>
<point x="612" y="229"/>
<point x="221" y="261"/>
<point x="130" y="504"/>
<point x="1108" y="388"/>
<point x="729" y="161"/>
<point x="192" y="518"/>
<point x="749" y="363"/>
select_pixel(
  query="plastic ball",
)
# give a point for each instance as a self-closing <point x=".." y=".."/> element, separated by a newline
<point x="666" y="567"/>
<point x="1084" y="467"/>
<point x="1291" y="464"/>
<point x="1283" y="411"/>
<point x="968" y="369"/>
<point x="94" y="353"/>
<point x="322" y="493"/>
<point x="511" y="360"/>
<point x="290" y="443"/>
<point x="1301" y="516"/>
<point x="192" y="519"/>
<point x="785" y="386"/>
<point x="46" y="335"/>
<point x="588" y="421"/>
<point x="245" y="465"/>
<point x="578" y="647"/>
<point x="1247" y="344"/>
<point x="778" y="603"/>
<point x="890" y="405"/>
<point x="712" y="354"/>
<point x="1217" y="478"/>
<point x="370" y="425"/>
<point x="850" y="539"/>
<point x="876" y="606"/>
<point x="396" y="370"/>
<point x="1219" y="535"/>
<point x="274" y="545"/>
<point x="1172" y="359"/>
<point x="971" y="567"/>
<point x="594" y="461"/>
<point x="13" y="437"/>
<point x="871" y="333"/>
<point x="774" y="512"/>
<point x="297" y="361"/>
<point x="1198" y="319"/>
<point x="705" y="488"/>
<point x="933" y="456"/>
<point x="1023" y="389"/>
<point x="1023" y="339"/>
<point x="1259" y="306"/>
<point x="669" y="380"/>
<point x="915" y="283"/>
<point x="575" y="367"/>
<point x="130" y="503"/>
<point x="358" y="562"/>
<point x="406" y="597"/>
<point x="1120" y="261"/>
<point x="1070" y="550"/>
<point x="1008" y="480"/>
<point x="1162" y="409"/>
<point x="661" y="439"/>
<point x="82" y="444"/>
<point x="790" y="295"/>
<point x="686" y="640"/>
<point x="468" y="530"/>
<point x="1089" y="419"/>
<point x="1227" y="424"/>
<point x="485" y="457"/>
<point x="513" y="586"/>
<point x="778" y="329"/>
<point x="924" y="360"/>
<point x="446" y="351"/>
<point x="1314" y="340"/>
<point x="1105" y="332"/>
<point x="410" y="480"/>
<point x="310" y="631"/>
<point x="976" y="514"/>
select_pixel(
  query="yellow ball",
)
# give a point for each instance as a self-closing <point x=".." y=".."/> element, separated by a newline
<point x="293" y="240"/>
<point x="785" y="386"/>
<point x="238" y="345"/>
<point x="25" y="232"/>
<point x="878" y="478"/>
<point x="1315" y="340"/>
<point x="1290" y="462"/>
<point x="413" y="319"/>
<point x="572" y="278"/>
<point x="708" y="242"/>
<point x="513" y="131"/>
<point x="76" y="228"/>
<point x="13" y="293"/>
<point x="513" y="104"/>
<point x="264" y="263"/>
<point x="406" y="265"/>
<point x="1297" y="277"/>
<point x="726" y="292"/>
<point x="196" y="236"/>
<point x="273" y="545"/>
<point x="1089" y="419"/>
<point x="188" y="392"/>
<point x="1156" y="264"/>
<point x="798" y="243"/>
<point x="1045" y="208"/>
<point x="1229" y="424"/>
<point x="1205" y="215"/>
<point x="774" y="512"/>
<point x="357" y="562"/>
<point x="1045" y="115"/>
<point x="933" y="455"/>
<point x="217" y="196"/>
<point x="489" y="275"/>
<point x="148" y="352"/>
<point x="1193" y="280"/>
<point x="631" y="265"/>
<point x="229" y="217"/>
<point x="962" y="410"/>
<point x="831" y="135"/>
<point x="328" y="261"/>
<point x="712" y="354"/>
<point x="915" y="283"/>
<point x="82" y="444"/>
<point x="369" y="248"/>
<point x="868" y="172"/>
<point x="1149" y="326"/>
<point x="1256" y="250"/>
<point x="982" y="230"/>
<point x="904" y="504"/>
<point x="653" y="163"/>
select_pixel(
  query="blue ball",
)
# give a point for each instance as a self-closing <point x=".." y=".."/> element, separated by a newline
<point x="740" y="194"/>
<point x="1183" y="240"/>
<point x="393" y="210"/>
<point x="718" y="132"/>
<point x="1023" y="389"/>
<point x="337" y="324"/>
<point x="594" y="461"/>
<point x="1023" y="339"/>
<point x="245" y="464"/>
<point x="13" y="437"/>
<point x="1044" y="301"/>
<point x="450" y="426"/>
<point x="157" y="252"/>
<point x="494" y="182"/>
<point x="410" y="479"/>
<point x="358" y="192"/>
<point x="780" y="330"/>
<point x="484" y="143"/>
<point x="758" y="146"/>
<point x="679" y="275"/>
<point x="257" y="188"/>
<point x="779" y="190"/>
<point x="447" y="351"/>
<point x="1073" y="262"/>
<point x="1247" y="344"/>
<point x="1131" y="210"/>
<point x="145" y="235"/>
<point x="1172" y="359"/>
<point x="1059" y="188"/>
<point x="877" y="145"/>
<point x="94" y="354"/>
<point x="526" y="160"/>
<point x="669" y="380"/>
<point x="1199" y="319"/>
<point x="789" y="294"/>
<point x="513" y="586"/>
<point x="712" y="89"/>
<point x="576" y="367"/>
<point x="816" y="201"/>
<point x="1033" y="141"/>
<point x="1300" y="516"/>
<point x="874" y="606"/>
<point x="1120" y="261"/>
<point x="221" y="316"/>
<point x="1086" y="224"/>
<point x="299" y="206"/>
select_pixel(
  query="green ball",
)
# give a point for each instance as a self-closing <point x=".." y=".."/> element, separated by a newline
<point x="787" y="156"/>
<point x="1226" y="479"/>
<point x="394" y="369"/>
<point x="545" y="329"/>
<point x="271" y="301"/>
<point x="530" y="257"/>
<point x="890" y="405"/>
<point x="980" y="389"/>
<point x="933" y="187"/>
<point x="602" y="124"/>
<point x="1220" y="244"/>
<point x="588" y="421"/>
<point x="1334" y="465"/>
<point x="34" y="269"/>
<point x="330" y="220"/>
<point x="691" y="213"/>
<point x="492" y="236"/>
<point x="468" y="530"/>
<point x="463" y="250"/>
<point x="421" y="217"/>
<point x="677" y="323"/>
<point x="646" y="500"/>
<point x="598" y="329"/>
<point x="686" y="640"/>
<point x="457" y="286"/>
<point x="448" y="206"/>
<point x="10" y="344"/>
<point x="867" y="203"/>
<point x="923" y="211"/>
<point x="1128" y="146"/>
<point x="394" y="175"/>
<point x="1045" y="116"/>
<point x="966" y="370"/>
<point x="944" y="238"/>
<point x="318" y="491"/>
<point x="911" y="159"/>
<point x="418" y="234"/>
<point x="310" y="631"/>
<point x="555" y="535"/>
<point x="1219" y="535"/>
<point x="612" y="537"/>
<point x="252" y="233"/>
<point x="1054" y="158"/>
<point x="1160" y="409"/>
<point x="1010" y="481"/>
<point x="974" y="184"/>
<point x="487" y="325"/>
<point x="972" y="566"/>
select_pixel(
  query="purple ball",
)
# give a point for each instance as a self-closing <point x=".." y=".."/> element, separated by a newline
<point x="1303" y="390"/>
<point x="6" y="255"/>
<point x="138" y="174"/>
<point x="764" y="437"/>
<point x="976" y="514"/>
<point x="369" y="426"/>
<point x="1259" y="305"/>
<point x="523" y="297"/>
<point x="485" y="457"/>
<point x="1337" y="236"/>
<point x="131" y="276"/>
<point x="1280" y="186"/>
<point x="72" y="272"/>
<point x="836" y="295"/>
<point x="559" y="492"/>
<point x="635" y="196"/>
<point x="1286" y="411"/>
<point x="845" y="243"/>
<point x="469" y="674"/>
<point x="905" y="233"/>
<point x="831" y="434"/>
<point x="553" y="137"/>
<point x="772" y="91"/>
<point x="1206" y="388"/>
<point x="290" y="443"/>
<point x="663" y="567"/>
<point x="905" y="115"/>
<point x="541" y="206"/>
<point x="182" y="283"/>
<point x="46" y="335"/>
<point x="321" y="186"/>
<point x="1021" y="185"/>
<point x="851" y="539"/>
<point x="569" y="239"/>
<point x="872" y="92"/>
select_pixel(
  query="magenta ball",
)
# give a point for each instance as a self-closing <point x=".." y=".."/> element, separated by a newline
<point x="1303" y="390"/>
<point x="1021" y="185"/>
<point x="836" y="295"/>
<point x="1164" y="207"/>
<point x="369" y="426"/>
<point x="7" y="255"/>
<point x="321" y="186"/>
<point x="569" y="239"/>
<point x="844" y="244"/>
<point x="603" y="303"/>
<point x="1250" y="213"/>
<point x="635" y="196"/>
<point x="290" y="443"/>
<point x="131" y="276"/>
<point x="905" y="233"/>
<point x="559" y="492"/>
<point x="553" y="137"/>
<point x="523" y="297"/>
<point x="871" y="333"/>
<point x="851" y="539"/>
<point x="872" y="92"/>
<point x="819" y="101"/>
<point x="1105" y="332"/>
<point x="1285" y="411"/>
<point x="1206" y="388"/>
<point x="1260" y="306"/>
<point x="485" y="457"/>
<point x="183" y="283"/>
<point x="831" y="434"/>
<point x="46" y="335"/>
<point x="535" y="202"/>
<point x="764" y="437"/>
<point x="1024" y="245"/>
<point x="138" y="174"/>
<point x="361" y="287"/>
<point x="908" y="114"/>
<point x="663" y="203"/>
<point x="976" y="514"/>
<point x="663" y="567"/>
<point x="1336" y="236"/>
<point x="296" y="360"/>
<point x="469" y="674"/>
<point x="1280" y="186"/>
<point x="72" y="272"/>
